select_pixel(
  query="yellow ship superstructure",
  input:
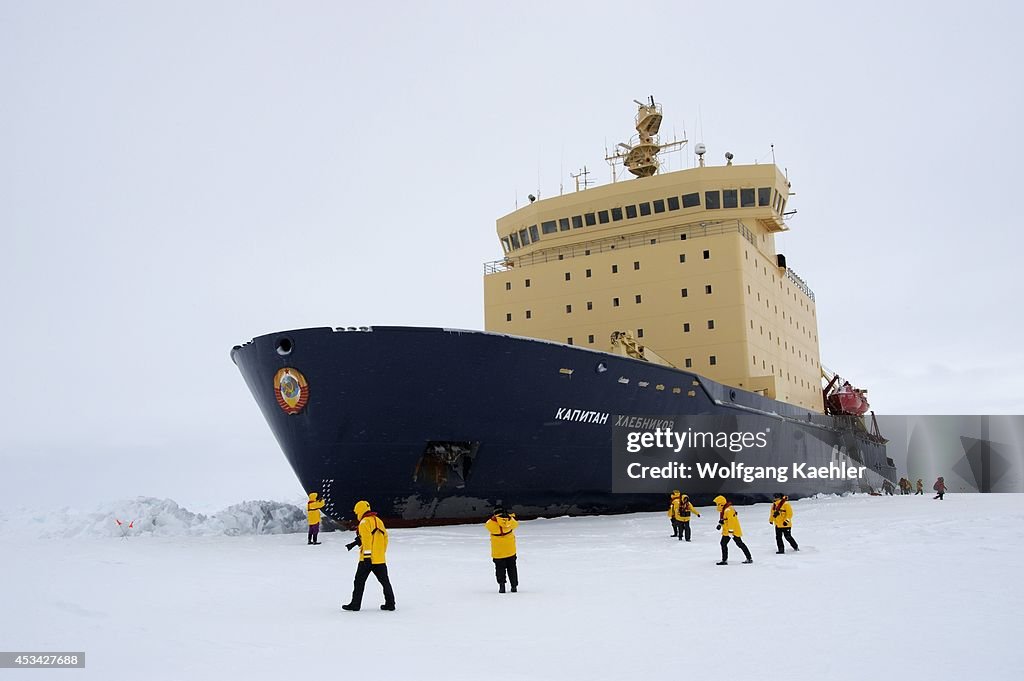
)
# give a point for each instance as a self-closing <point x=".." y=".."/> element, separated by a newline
<point x="679" y="267"/>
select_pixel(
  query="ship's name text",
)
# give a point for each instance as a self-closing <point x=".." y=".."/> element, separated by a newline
<point x="581" y="416"/>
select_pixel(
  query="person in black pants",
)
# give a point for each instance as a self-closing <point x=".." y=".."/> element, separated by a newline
<point x="373" y="543"/>
<point x="781" y="516"/>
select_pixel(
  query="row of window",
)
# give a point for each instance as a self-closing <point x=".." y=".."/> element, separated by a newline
<point x="747" y="197"/>
<point x="588" y="273"/>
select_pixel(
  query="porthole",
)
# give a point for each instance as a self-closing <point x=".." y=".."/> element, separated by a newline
<point x="284" y="346"/>
<point x="600" y="368"/>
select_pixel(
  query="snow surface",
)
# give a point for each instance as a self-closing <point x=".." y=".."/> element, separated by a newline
<point x="904" y="587"/>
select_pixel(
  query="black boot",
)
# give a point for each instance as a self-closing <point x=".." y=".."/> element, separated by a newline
<point x="388" y="606"/>
<point x="501" y="588"/>
<point x="515" y="588"/>
<point x="351" y="607"/>
<point x="748" y="560"/>
<point x="722" y="562"/>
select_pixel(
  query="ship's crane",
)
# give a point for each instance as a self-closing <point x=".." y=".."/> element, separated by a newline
<point x="623" y="343"/>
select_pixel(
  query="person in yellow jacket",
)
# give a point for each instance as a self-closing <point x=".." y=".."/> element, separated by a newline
<point x="920" y="486"/>
<point x="502" y="526"/>
<point x="673" y="513"/>
<point x="729" y="524"/>
<point x="313" y="516"/>
<point x="683" y="509"/>
<point x="372" y="540"/>
<point x="781" y="516"/>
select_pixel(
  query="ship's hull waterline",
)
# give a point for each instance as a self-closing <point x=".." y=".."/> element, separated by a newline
<point x="520" y="421"/>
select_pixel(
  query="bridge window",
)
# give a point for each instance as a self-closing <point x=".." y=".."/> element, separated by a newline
<point x="602" y="217"/>
<point x="692" y="200"/>
<point x="590" y="219"/>
<point x="534" y="235"/>
<point x="764" y="196"/>
<point x="563" y="224"/>
<point x="577" y="221"/>
<point x="505" y="244"/>
<point x="728" y="198"/>
<point x="515" y="240"/>
<point x="673" y="203"/>
<point x="548" y="227"/>
<point x="712" y="200"/>
<point x="524" y="237"/>
<point x="616" y="214"/>
<point x="645" y="208"/>
<point x="659" y="205"/>
<point x="747" y="198"/>
<point x="630" y="212"/>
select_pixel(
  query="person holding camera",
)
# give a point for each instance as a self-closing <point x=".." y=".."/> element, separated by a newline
<point x="372" y="540"/>
<point x="502" y="526"/>
<point x="673" y="514"/>
<point x="313" y="516"/>
<point x="781" y="516"/>
<point x="729" y="524"/>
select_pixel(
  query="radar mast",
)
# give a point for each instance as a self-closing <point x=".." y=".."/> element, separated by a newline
<point x="640" y="156"/>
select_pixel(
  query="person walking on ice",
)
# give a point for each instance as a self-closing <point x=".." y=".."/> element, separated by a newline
<point x="373" y="544"/>
<point x="729" y="524"/>
<point x="940" y="488"/>
<point x="781" y="516"/>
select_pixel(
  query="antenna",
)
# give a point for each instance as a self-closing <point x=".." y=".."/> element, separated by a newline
<point x="773" y="154"/>
<point x="582" y="174"/>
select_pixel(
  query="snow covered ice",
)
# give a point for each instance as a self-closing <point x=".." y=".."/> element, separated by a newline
<point x="882" y="586"/>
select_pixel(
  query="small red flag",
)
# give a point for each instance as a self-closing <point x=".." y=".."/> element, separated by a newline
<point x="130" y="524"/>
<point x="117" y="521"/>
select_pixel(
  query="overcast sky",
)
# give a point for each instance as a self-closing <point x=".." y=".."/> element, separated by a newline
<point x="176" y="178"/>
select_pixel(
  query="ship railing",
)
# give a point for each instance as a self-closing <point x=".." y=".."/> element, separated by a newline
<point x="692" y="230"/>
<point x="799" y="283"/>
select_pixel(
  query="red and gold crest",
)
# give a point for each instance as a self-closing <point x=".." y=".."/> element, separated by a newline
<point x="291" y="390"/>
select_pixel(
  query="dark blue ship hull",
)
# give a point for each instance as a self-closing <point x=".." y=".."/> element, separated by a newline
<point x="439" y="425"/>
